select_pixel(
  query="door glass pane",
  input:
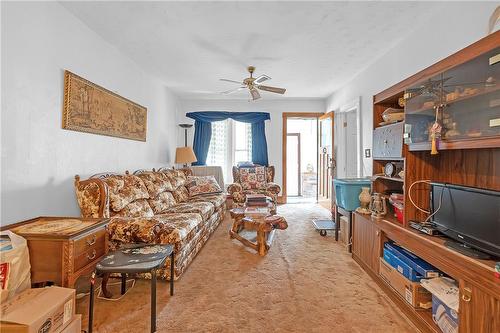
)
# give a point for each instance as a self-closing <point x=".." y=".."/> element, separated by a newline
<point x="292" y="165"/>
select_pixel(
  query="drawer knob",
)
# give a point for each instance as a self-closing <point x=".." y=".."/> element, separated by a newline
<point x="92" y="241"/>
<point x="92" y="257"/>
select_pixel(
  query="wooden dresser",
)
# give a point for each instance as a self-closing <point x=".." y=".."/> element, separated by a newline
<point x="62" y="248"/>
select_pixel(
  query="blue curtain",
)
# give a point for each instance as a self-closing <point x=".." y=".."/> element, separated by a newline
<point x="259" y="144"/>
<point x="203" y="132"/>
<point x="201" y="143"/>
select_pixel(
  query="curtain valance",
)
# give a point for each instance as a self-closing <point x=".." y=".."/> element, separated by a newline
<point x="245" y="117"/>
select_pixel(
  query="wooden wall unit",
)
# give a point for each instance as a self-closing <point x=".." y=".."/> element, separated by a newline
<point x="470" y="163"/>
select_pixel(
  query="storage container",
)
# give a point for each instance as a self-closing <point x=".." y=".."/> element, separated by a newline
<point x="347" y="191"/>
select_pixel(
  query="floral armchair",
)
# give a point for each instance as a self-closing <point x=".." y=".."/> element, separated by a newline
<point x="253" y="180"/>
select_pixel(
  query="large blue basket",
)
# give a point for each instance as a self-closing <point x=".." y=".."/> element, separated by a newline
<point x="347" y="191"/>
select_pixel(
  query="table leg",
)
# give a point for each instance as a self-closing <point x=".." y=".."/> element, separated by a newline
<point x="91" y="302"/>
<point x="104" y="286"/>
<point x="261" y="242"/>
<point x="153" y="300"/>
<point x="172" y="273"/>
<point x="349" y="240"/>
<point x="124" y="283"/>
<point x="337" y="224"/>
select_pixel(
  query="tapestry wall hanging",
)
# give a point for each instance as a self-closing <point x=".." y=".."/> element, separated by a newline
<point x="93" y="109"/>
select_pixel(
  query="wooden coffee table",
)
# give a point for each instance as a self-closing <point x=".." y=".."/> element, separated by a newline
<point x="245" y="219"/>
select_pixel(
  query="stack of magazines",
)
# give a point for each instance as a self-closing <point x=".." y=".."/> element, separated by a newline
<point x="257" y="200"/>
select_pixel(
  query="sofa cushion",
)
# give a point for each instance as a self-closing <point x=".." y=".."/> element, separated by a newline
<point x="162" y="202"/>
<point x="137" y="208"/>
<point x="205" y="209"/>
<point x="177" y="177"/>
<point x="124" y="189"/>
<point x="253" y="178"/>
<point x="198" y="185"/>
<point x="160" y="229"/>
<point x="156" y="183"/>
<point x="215" y="199"/>
<point x="181" y="194"/>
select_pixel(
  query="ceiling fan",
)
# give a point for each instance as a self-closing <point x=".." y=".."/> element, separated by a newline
<point x="252" y="84"/>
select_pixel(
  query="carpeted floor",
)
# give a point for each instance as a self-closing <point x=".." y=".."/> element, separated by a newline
<point x="306" y="283"/>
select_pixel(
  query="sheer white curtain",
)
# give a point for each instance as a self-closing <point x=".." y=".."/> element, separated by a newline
<point x="231" y="143"/>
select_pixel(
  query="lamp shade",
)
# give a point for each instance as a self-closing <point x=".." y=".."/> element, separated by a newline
<point x="184" y="155"/>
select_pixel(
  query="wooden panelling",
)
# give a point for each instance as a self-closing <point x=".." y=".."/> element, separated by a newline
<point x="366" y="242"/>
<point x="480" y="313"/>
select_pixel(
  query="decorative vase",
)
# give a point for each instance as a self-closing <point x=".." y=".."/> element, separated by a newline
<point x="364" y="199"/>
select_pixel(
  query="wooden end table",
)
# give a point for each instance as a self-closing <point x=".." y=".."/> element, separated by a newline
<point x="244" y="220"/>
<point x="62" y="248"/>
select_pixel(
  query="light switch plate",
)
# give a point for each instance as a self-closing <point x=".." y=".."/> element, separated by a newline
<point x="368" y="153"/>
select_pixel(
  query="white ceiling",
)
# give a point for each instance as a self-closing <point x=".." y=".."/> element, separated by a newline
<point x="310" y="48"/>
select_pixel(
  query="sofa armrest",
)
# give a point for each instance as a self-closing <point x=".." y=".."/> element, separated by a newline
<point x="92" y="197"/>
<point x="273" y="188"/>
<point x="233" y="188"/>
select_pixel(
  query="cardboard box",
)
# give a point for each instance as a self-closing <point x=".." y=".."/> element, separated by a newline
<point x="75" y="326"/>
<point x="412" y="292"/>
<point x="39" y="310"/>
<point x="403" y="268"/>
<point x="344" y="235"/>
<point x="445" y="302"/>
<point x="421" y="266"/>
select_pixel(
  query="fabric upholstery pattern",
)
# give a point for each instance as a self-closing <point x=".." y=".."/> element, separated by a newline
<point x="205" y="209"/>
<point x="177" y="177"/>
<point x="162" y="202"/>
<point x="181" y="194"/>
<point x="198" y="185"/>
<point x="156" y="183"/>
<point x="137" y="208"/>
<point x="239" y="190"/>
<point x="89" y="199"/>
<point x="215" y="199"/>
<point x="253" y="178"/>
<point x="123" y="189"/>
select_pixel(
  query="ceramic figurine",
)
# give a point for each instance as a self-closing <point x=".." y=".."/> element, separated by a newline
<point x="378" y="205"/>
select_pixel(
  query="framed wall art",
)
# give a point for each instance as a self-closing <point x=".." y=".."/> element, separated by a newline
<point x="93" y="109"/>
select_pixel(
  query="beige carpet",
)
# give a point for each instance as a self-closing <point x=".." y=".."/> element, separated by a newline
<point x="306" y="283"/>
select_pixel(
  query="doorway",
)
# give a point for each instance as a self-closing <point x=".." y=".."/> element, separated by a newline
<point x="348" y="141"/>
<point x="300" y="157"/>
<point x="326" y="160"/>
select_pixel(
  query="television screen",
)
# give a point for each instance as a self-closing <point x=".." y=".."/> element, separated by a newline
<point x="469" y="215"/>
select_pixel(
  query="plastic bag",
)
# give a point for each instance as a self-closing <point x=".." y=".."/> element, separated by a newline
<point x="14" y="265"/>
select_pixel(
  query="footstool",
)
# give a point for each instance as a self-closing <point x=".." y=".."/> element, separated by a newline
<point x="136" y="258"/>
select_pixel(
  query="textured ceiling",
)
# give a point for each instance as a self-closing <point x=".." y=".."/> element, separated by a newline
<point x="310" y="48"/>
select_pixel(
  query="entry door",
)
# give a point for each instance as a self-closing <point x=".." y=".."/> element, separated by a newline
<point x="326" y="160"/>
<point x="293" y="181"/>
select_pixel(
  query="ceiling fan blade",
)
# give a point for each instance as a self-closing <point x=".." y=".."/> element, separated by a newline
<point x="232" y="81"/>
<point x="255" y="94"/>
<point x="272" y="89"/>
<point x="261" y="79"/>
<point x="227" y="92"/>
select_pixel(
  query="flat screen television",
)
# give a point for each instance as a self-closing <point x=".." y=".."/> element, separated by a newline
<point x="470" y="216"/>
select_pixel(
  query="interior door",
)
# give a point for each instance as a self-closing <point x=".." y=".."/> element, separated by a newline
<point x="326" y="160"/>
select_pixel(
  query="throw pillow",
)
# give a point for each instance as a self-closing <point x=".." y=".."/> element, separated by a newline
<point x="202" y="185"/>
<point x="253" y="178"/>
<point x="181" y="194"/>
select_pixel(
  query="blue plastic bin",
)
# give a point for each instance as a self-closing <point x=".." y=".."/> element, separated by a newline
<point x="347" y="191"/>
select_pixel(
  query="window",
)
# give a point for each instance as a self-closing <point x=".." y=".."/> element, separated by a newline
<point x="231" y="143"/>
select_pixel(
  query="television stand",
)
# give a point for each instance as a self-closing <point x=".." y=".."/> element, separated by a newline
<point x="466" y="250"/>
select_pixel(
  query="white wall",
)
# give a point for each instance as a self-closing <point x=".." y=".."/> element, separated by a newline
<point x="457" y="26"/>
<point x="39" y="159"/>
<point x="275" y="107"/>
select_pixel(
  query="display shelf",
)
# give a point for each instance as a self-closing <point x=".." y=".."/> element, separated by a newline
<point x="394" y="179"/>
<point x="471" y="143"/>
<point x="456" y="100"/>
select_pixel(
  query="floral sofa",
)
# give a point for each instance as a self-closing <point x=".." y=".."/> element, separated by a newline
<point x="153" y="207"/>
<point x="253" y="180"/>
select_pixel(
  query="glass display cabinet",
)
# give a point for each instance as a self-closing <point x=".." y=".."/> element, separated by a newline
<point x="459" y="107"/>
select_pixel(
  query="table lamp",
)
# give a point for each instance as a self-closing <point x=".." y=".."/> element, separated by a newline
<point x="185" y="155"/>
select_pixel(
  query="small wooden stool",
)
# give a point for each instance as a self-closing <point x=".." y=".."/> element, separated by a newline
<point x="137" y="258"/>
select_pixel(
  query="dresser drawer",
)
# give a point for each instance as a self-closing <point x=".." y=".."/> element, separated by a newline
<point x="89" y="256"/>
<point x="84" y="243"/>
